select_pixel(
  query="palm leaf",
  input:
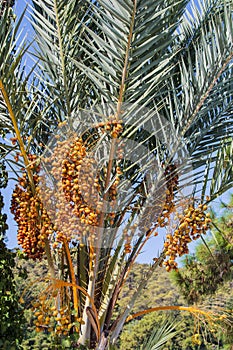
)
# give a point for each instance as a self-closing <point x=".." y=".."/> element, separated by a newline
<point x="161" y="336"/>
<point x="58" y="27"/>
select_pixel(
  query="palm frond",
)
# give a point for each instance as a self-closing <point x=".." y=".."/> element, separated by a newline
<point x="199" y="101"/>
<point x="127" y="47"/>
<point x="15" y="98"/>
<point x="59" y="26"/>
<point x="160" y="336"/>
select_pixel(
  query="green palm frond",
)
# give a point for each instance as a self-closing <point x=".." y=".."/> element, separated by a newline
<point x="59" y="26"/>
<point x="13" y="81"/>
<point x="222" y="178"/>
<point x="114" y="45"/>
<point x="161" y="336"/>
<point x="204" y="69"/>
<point x="11" y="53"/>
<point x="20" y="85"/>
<point x="131" y="45"/>
<point x="205" y="52"/>
<point x="199" y="101"/>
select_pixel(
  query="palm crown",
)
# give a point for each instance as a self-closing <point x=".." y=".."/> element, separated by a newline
<point x="145" y="91"/>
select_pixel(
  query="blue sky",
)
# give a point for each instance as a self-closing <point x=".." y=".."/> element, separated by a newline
<point x="20" y="6"/>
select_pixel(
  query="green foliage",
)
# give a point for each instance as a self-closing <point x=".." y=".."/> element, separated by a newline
<point x="160" y="291"/>
<point x="46" y="341"/>
<point x="136" y="332"/>
<point x="11" y="315"/>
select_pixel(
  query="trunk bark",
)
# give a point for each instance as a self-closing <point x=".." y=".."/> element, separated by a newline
<point x="103" y="342"/>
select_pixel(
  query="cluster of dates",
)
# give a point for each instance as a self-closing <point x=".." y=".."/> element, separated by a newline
<point x="33" y="222"/>
<point x="192" y="224"/>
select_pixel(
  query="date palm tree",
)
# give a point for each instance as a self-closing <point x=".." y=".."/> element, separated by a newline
<point x="128" y="107"/>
